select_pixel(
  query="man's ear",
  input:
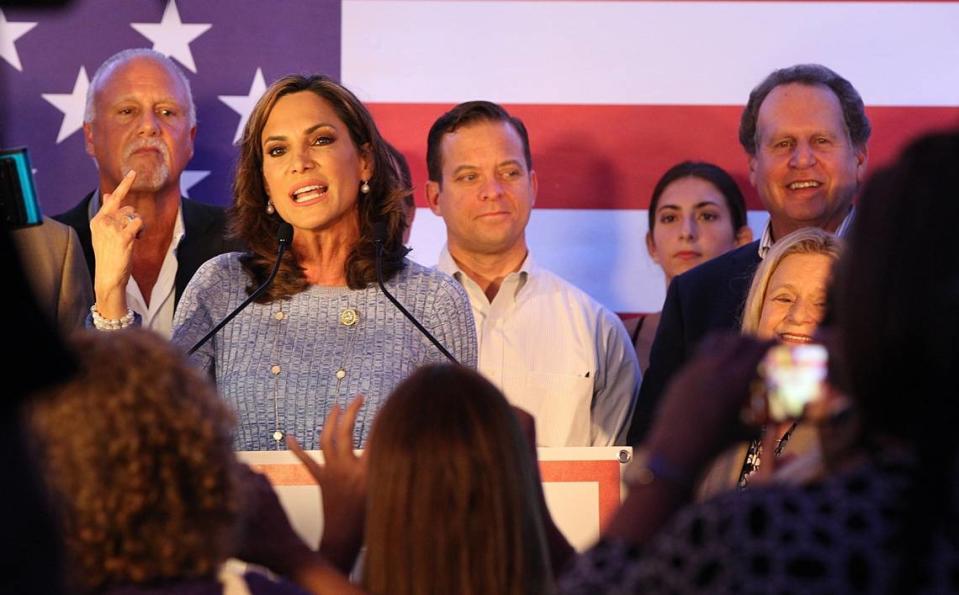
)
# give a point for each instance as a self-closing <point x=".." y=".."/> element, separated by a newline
<point x="651" y="247"/>
<point x="752" y="170"/>
<point x="192" y="141"/>
<point x="534" y="187"/>
<point x="862" y="159"/>
<point x="433" y="197"/>
<point x="88" y="138"/>
<point x="744" y="235"/>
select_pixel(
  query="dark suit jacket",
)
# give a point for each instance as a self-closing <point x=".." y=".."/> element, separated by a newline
<point x="205" y="231"/>
<point x="707" y="298"/>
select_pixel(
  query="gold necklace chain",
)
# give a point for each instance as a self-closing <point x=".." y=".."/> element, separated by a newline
<point x="275" y="369"/>
<point x="349" y="317"/>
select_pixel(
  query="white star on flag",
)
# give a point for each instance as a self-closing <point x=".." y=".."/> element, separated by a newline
<point x="190" y="178"/>
<point x="72" y="105"/>
<point x="243" y="104"/>
<point x="9" y="33"/>
<point x="171" y="36"/>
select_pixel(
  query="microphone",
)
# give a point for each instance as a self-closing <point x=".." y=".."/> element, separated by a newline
<point x="284" y="235"/>
<point x="379" y="239"/>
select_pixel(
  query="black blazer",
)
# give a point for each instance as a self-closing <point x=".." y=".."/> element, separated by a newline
<point x="707" y="298"/>
<point x="205" y="237"/>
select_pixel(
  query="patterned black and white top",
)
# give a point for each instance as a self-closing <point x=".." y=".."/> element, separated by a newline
<point x="838" y="536"/>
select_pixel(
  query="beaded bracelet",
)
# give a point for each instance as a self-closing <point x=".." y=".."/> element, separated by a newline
<point x="108" y="324"/>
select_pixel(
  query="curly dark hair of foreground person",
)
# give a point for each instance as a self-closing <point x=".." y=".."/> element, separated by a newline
<point x="137" y="453"/>
<point x="251" y="224"/>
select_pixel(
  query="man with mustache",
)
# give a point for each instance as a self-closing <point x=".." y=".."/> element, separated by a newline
<point x="140" y="122"/>
<point x="804" y="130"/>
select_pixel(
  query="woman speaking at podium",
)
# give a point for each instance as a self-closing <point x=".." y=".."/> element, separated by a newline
<point x="322" y="332"/>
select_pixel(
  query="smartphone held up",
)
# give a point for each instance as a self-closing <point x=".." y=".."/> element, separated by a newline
<point x="794" y="376"/>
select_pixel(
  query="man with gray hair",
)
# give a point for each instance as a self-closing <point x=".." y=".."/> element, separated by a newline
<point x="804" y="130"/>
<point x="146" y="240"/>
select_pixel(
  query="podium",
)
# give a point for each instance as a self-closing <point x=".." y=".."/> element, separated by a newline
<point x="583" y="488"/>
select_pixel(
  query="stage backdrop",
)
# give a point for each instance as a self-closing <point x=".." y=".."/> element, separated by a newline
<point x="613" y="92"/>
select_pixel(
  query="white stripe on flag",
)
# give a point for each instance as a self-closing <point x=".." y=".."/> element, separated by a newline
<point x="694" y="53"/>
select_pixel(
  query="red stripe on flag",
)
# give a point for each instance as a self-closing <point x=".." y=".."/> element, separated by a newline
<point x="610" y="156"/>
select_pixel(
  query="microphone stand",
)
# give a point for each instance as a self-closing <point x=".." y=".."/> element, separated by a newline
<point x="284" y="235"/>
<point x="378" y="241"/>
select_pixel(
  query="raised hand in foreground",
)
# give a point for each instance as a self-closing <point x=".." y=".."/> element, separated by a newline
<point x="701" y="414"/>
<point x="266" y="538"/>
<point x="342" y="480"/>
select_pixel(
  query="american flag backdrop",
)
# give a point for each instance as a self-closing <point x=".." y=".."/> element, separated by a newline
<point x="613" y="92"/>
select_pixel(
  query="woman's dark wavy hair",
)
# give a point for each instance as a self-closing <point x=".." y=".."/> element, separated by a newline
<point x="707" y="172"/>
<point x="897" y="308"/>
<point x="250" y="223"/>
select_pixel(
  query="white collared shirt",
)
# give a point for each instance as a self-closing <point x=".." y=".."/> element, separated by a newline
<point x="766" y="242"/>
<point x="158" y="316"/>
<point x="555" y="352"/>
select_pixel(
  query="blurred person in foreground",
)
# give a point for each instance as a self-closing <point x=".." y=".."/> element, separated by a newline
<point x="136" y="453"/>
<point x="885" y="519"/>
<point x="29" y="544"/>
<point x="449" y="489"/>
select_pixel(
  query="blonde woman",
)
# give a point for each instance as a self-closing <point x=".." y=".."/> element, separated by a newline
<point x="786" y="302"/>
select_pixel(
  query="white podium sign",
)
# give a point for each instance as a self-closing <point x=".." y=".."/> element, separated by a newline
<point x="583" y="488"/>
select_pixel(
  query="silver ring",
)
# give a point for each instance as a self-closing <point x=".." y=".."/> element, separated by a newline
<point x="130" y="217"/>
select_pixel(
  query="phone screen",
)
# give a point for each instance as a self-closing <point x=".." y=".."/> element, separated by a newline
<point x="18" y="196"/>
<point x="794" y="376"/>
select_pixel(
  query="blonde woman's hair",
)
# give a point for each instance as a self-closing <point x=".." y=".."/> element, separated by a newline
<point x="809" y="240"/>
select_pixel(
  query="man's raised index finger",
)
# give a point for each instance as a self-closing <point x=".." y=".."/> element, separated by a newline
<point x="112" y="200"/>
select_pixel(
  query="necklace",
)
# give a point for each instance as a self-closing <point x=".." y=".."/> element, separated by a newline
<point x="279" y="316"/>
<point x="349" y="317"/>
<point x="755" y="452"/>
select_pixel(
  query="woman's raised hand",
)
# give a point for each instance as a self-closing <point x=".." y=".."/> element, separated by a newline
<point x="342" y="480"/>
